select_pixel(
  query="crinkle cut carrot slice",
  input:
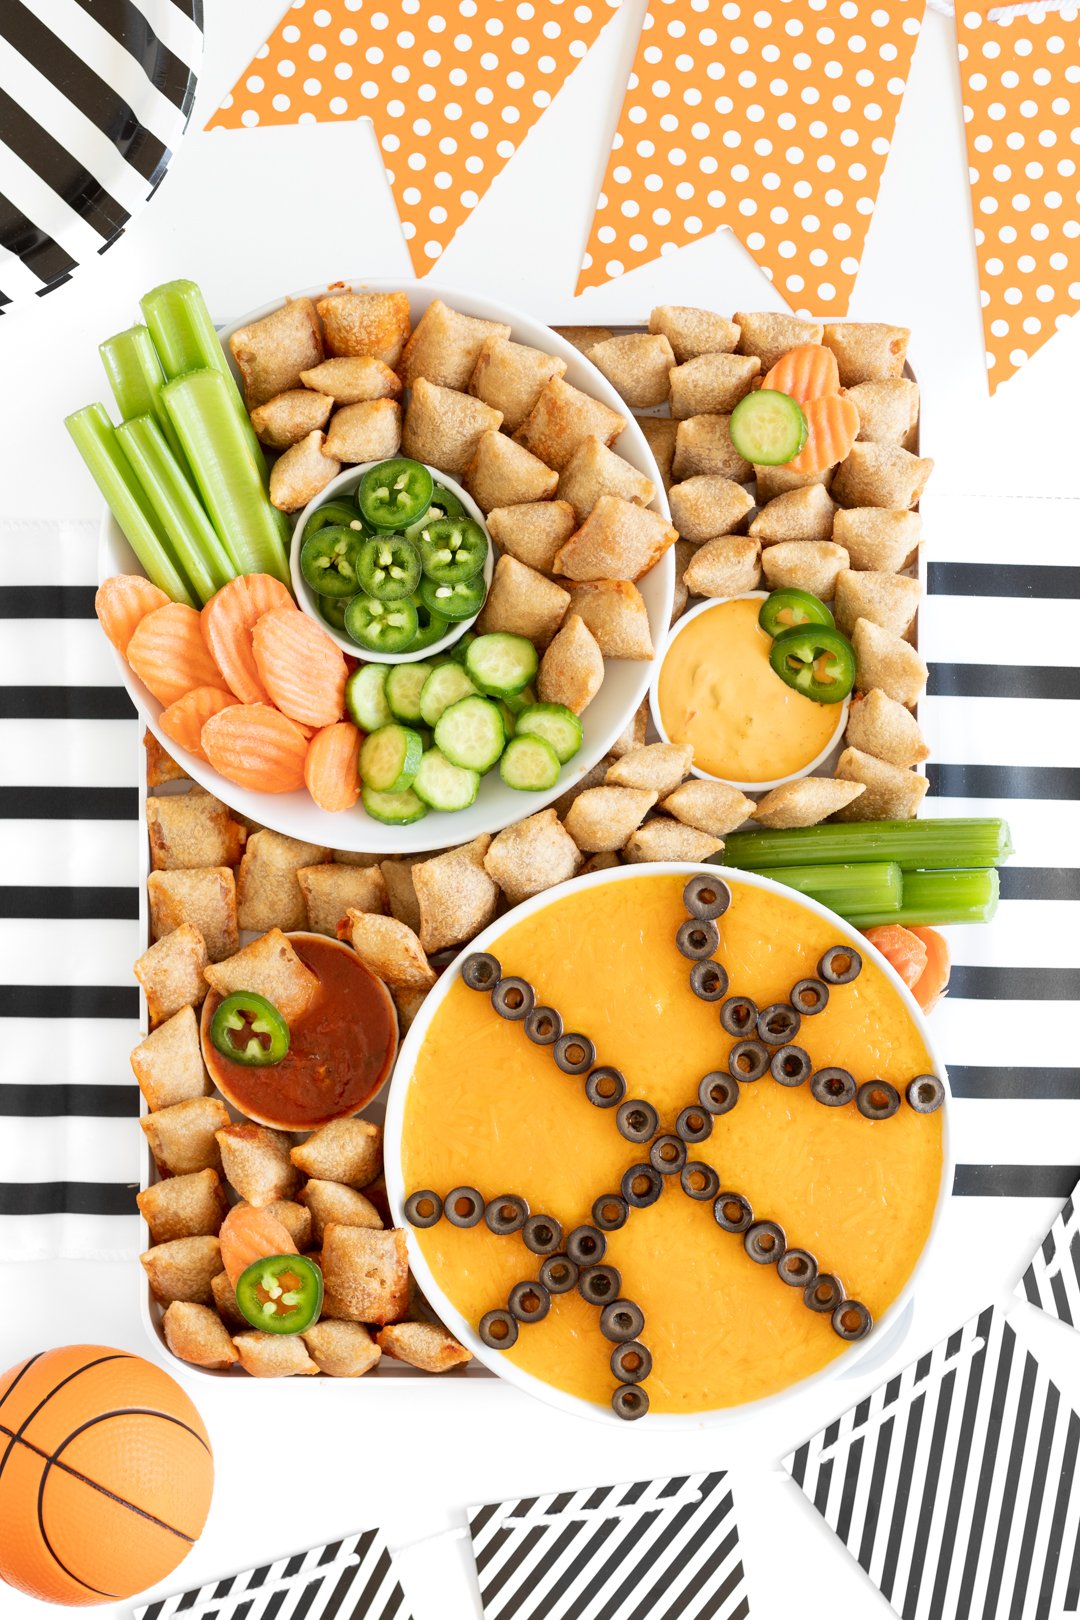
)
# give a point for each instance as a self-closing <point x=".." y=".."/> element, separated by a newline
<point x="168" y="654"/>
<point x="806" y="373"/>
<point x="933" y="982"/>
<point x="301" y="668"/>
<point x="902" y="949"/>
<point x="256" y="747"/>
<point x="332" y="770"/>
<point x="121" y="604"/>
<point x="833" y="426"/>
<point x="248" y="1235"/>
<point x="227" y="622"/>
<point x="182" y="721"/>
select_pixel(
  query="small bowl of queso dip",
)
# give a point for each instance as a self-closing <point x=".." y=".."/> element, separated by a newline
<point x="715" y="688"/>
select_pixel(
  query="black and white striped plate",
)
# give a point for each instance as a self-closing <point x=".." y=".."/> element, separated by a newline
<point x="94" y="96"/>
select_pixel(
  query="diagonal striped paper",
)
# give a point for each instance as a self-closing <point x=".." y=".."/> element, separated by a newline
<point x="955" y="1484"/>
<point x="1020" y="78"/>
<point x="1052" y="1280"/>
<point x="659" y="1549"/>
<point x="773" y="117"/>
<point x="452" y="91"/>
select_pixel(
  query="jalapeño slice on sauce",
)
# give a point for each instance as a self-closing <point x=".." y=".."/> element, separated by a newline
<point x="452" y="549"/>
<point x="395" y="493"/>
<point x="816" y="660"/>
<point x="388" y="567"/>
<point x="329" y="559"/>
<point x="281" y="1294"/>
<point x="381" y="627"/>
<point x="790" y="608"/>
<point x="248" y="1029"/>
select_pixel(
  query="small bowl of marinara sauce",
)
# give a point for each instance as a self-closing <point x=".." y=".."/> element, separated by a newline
<point x="341" y="1051"/>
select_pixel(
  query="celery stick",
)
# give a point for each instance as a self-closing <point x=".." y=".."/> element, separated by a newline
<point x="204" y="558"/>
<point x="136" y="378"/>
<point x="867" y="886"/>
<point x="228" y="477"/>
<point x="936" y="899"/>
<point x="913" y="845"/>
<point x="95" y="440"/>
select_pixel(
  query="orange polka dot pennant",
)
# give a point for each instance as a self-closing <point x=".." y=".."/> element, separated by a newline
<point x="1020" y="79"/>
<point x="773" y="117"/>
<point x="451" y="86"/>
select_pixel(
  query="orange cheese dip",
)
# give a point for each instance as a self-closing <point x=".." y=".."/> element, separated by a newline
<point x="718" y="691"/>
<point x="487" y="1108"/>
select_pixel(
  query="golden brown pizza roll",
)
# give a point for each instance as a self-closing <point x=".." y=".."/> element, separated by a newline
<point x="685" y="552"/>
<point x="342" y="1349"/>
<point x="366" y="1274"/>
<point x="290" y="416"/>
<point x="890" y="600"/>
<point x="614" y="611"/>
<point x="711" y="807"/>
<point x="348" y="379"/>
<point x="531" y="855"/>
<point x="800" y="514"/>
<point x="773" y="481"/>
<point x="391" y="950"/>
<point x="888" y="662"/>
<point x="400" y="890"/>
<point x="637" y="365"/>
<point x="561" y="419"/>
<point x="769" y="335"/>
<point x="730" y="566"/>
<point x="663" y="839"/>
<point x="301" y="473"/>
<point x="867" y="350"/>
<point x="572" y="669"/>
<point x="272" y="353"/>
<point x="294" y="1218"/>
<point x="457" y="897"/>
<point x="426" y="1345"/>
<point x="330" y="1202"/>
<point x="367" y="431"/>
<point x="584" y="338"/>
<point x="268" y="888"/>
<point x="160" y="766"/>
<point x="657" y="766"/>
<point x="533" y="532"/>
<point x="346" y="1150"/>
<point x="445" y="346"/>
<point x="594" y="470"/>
<point x="224" y="1296"/>
<point x="892" y="794"/>
<point x="523" y="602"/>
<point x="183" y="1269"/>
<point x="271" y="968"/>
<point x="183" y="1137"/>
<point x="880" y="726"/>
<point x="510" y="377"/>
<point x="168" y="1064"/>
<point x="192" y="829"/>
<point x="171" y="973"/>
<point x="593" y="777"/>
<point x="693" y="331"/>
<point x="881" y="475"/>
<point x="712" y="384"/>
<point x="703" y="445"/>
<point x="192" y="1205"/>
<point x="875" y="537"/>
<point x="274" y="1355"/>
<point x="366" y="323"/>
<point x="805" y="802"/>
<point x="660" y="432"/>
<point x="329" y="891"/>
<point x="502" y="473"/>
<point x="807" y="565"/>
<point x="197" y="1334"/>
<point x="708" y="505"/>
<point x="443" y="427"/>
<point x="618" y="540"/>
<point x="888" y="409"/>
<point x="408" y="1004"/>
<point x="604" y="817"/>
<point x="256" y="1162"/>
<point x="631" y="736"/>
<point x="205" y="898"/>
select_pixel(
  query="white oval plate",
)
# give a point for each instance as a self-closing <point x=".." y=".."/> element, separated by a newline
<point x="626" y="681"/>
<point x="428" y="1281"/>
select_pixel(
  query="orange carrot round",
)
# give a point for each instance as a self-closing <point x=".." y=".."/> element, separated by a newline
<point x="934" y="979"/>
<point x="805" y="373"/>
<point x="902" y="949"/>
<point x="256" y="747"/>
<point x="122" y="603"/>
<point x="248" y="1235"/>
<point x="182" y="721"/>
<point x="301" y="668"/>
<point x="833" y="426"/>
<point x="332" y="768"/>
<point x="168" y="654"/>
<point x="227" y="622"/>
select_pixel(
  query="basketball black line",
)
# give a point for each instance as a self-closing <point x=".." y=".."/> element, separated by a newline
<point x="84" y="1479"/>
<point x="19" y="1376"/>
<point x="118" y="1355"/>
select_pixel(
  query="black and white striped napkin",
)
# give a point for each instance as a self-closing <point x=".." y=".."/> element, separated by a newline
<point x="352" y="1579"/>
<point x="94" y="96"/>
<point x="1052" y="1280"/>
<point x="659" y="1549"/>
<point x="955" y="1484"/>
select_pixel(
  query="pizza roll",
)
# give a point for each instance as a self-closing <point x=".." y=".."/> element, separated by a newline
<point x="773" y="481"/>
<point x="270" y="967"/>
<point x="886" y="661"/>
<point x="603" y="818"/>
<point x="197" y="1334"/>
<point x="533" y="532"/>
<point x="444" y="427"/>
<point x="401" y="891"/>
<point x="342" y="1349"/>
<point x="290" y="416"/>
<point x="658" y="766"/>
<point x="391" y="951"/>
<point x="877" y="538"/>
<point x="367" y="431"/>
<point x="708" y="505"/>
<point x="366" y="1274"/>
<point x="867" y="350"/>
<point x="878" y="725"/>
<point x="348" y="379"/>
<point x="712" y="384"/>
<point x="888" y="409"/>
<point x="183" y="1137"/>
<point x="890" y="600"/>
<point x="457" y="897"/>
<point x="329" y="891"/>
<point x="274" y="1355"/>
<point x="800" y="514"/>
<point x="171" y="973"/>
<point x="684" y="556"/>
<point x="377" y="324"/>
<point x="711" y="807"/>
<point x="614" y="611"/>
<point x="268" y="887"/>
<point x="584" y="338"/>
<point x="294" y="1218"/>
<point x="426" y="1345"/>
<point x="693" y="331"/>
<point x="301" y="473"/>
<point x="562" y="418"/>
<point x="572" y="669"/>
<point x="224" y="1296"/>
<point x="523" y="602"/>
<point x="192" y="1205"/>
<point x="881" y="475"/>
<point x="631" y="736"/>
<point x="594" y="470"/>
<point x="346" y="1150"/>
<point x="510" y="377"/>
<point x="892" y="793"/>
<point x="730" y="566"/>
<point x="593" y="777"/>
<point x="160" y="766"/>
<point x="256" y="1162"/>
<point x="445" y="346"/>
<point x="660" y="432"/>
<point x="618" y="540"/>
<point x="192" y="829"/>
<point x="663" y="839"/>
<point x="531" y="855"/>
<point x="183" y="1269"/>
<point x="805" y="802"/>
<point x="637" y="365"/>
<point x="808" y="565"/>
<point x="272" y="353"/>
<point x="769" y="335"/>
<point x="168" y="1064"/>
<point x="703" y="445"/>
<point x="329" y="1202"/>
<point x="502" y="473"/>
<point x="205" y="898"/>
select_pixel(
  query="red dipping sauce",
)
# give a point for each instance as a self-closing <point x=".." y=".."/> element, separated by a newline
<point x="341" y="1050"/>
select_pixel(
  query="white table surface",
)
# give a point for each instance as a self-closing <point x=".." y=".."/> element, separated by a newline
<point x="251" y="215"/>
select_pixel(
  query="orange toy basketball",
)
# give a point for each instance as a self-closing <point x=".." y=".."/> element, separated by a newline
<point x="105" y="1475"/>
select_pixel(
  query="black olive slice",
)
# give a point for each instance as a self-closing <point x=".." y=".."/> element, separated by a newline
<point x="498" y="1330"/>
<point x="697" y="938"/>
<point x="574" y="1053"/>
<point x="631" y="1362"/>
<point x="423" y="1208"/>
<point x="791" y="1066"/>
<point x="507" y="1214"/>
<point x="694" y="1124"/>
<point x="748" y="1060"/>
<point x="586" y="1246"/>
<point x="599" y="1285"/>
<point x="464" y="1207"/>
<point x="641" y="1186"/>
<point x="778" y="1024"/>
<point x="718" y="1092"/>
<point x="824" y="1293"/>
<point x="513" y="998"/>
<point x="610" y="1211"/>
<point x="699" y="1181"/>
<point x="630" y="1402"/>
<point x="543" y="1026"/>
<point x="481" y="970"/>
<point x="542" y="1234"/>
<point x="738" y="1015"/>
<point x="833" y="1087"/>
<point x="840" y="965"/>
<point x="809" y="996"/>
<point x="851" y="1320"/>
<point x="668" y="1155"/>
<point x="765" y="1242"/>
<point x="605" y="1087"/>
<point x="622" y="1321"/>
<point x="708" y="980"/>
<point x="637" y="1121"/>
<point x="706" y="897"/>
<point x="558" y="1274"/>
<point x="797" y="1267"/>
<point x="732" y="1212"/>
<point x="876" y="1099"/>
<point x="925" y="1094"/>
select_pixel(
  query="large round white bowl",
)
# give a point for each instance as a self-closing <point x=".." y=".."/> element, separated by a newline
<point x="626" y="681"/>
<point x="429" y="1281"/>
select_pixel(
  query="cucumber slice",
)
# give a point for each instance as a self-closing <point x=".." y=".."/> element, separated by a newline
<point x="396" y="809"/>
<point x="501" y="663"/>
<point x="460" y="648"/>
<point x="768" y="428"/>
<point x="365" y="696"/>
<point x="520" y="700"/>
<point x="445" y="786"/>
<point x="404" y="685"/>
<point x="472" y="733"/>
<point x="390" y="758"/>
<point x="529" y="764"/>
<point x="509" y="717"/>
<point x="557" y="725"/>
<point x="446" y="684"/>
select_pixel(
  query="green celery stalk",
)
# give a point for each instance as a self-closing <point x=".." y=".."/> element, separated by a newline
<point x="867" y="886"/>
<point x="135" y="377"/>
<point x="193" y="538"/>
<point x="95" y="439"/>
<point x="229" y="479"/>
<point x="914" y="845"/>
<point x="937" y="899"/>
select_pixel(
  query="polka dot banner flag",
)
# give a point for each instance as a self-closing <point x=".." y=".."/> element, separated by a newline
<point x="773" y="117"/>
<point x="1020" y="77"/>
<point x="451" y="86"/>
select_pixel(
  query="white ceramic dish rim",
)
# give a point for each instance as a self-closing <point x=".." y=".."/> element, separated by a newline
<point x="355" y="831"/>
<point x="348" y="481"/>
<point x="696" y="770"/>
<point x="465" y="1330"/>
